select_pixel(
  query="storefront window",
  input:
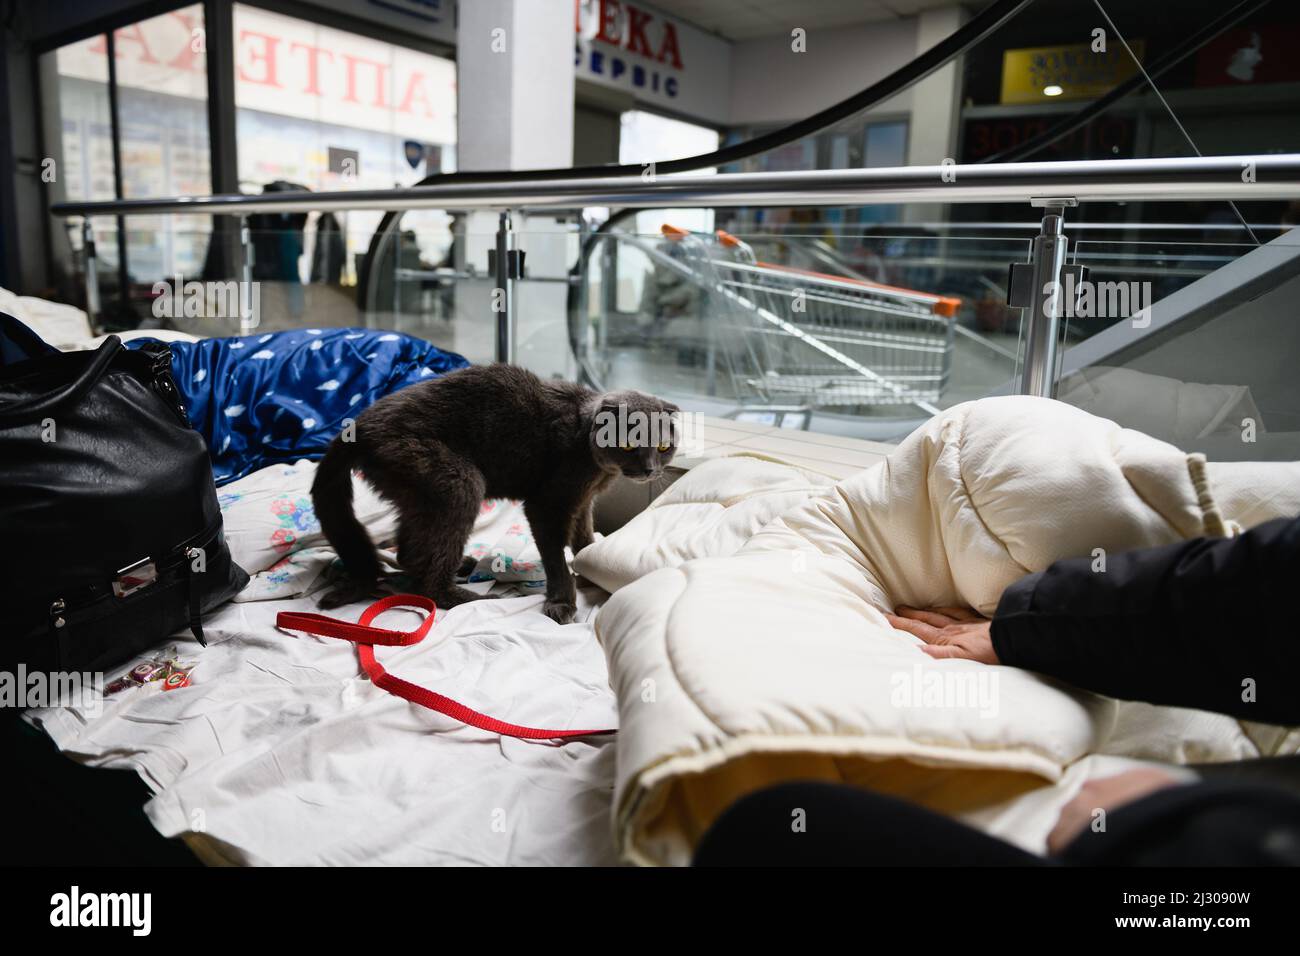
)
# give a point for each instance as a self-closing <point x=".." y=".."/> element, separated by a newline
<point x="79" y="131"/>
<point x="161" y="76"/>
<point x="323" y="109"/>
<point x="162" y="105"/>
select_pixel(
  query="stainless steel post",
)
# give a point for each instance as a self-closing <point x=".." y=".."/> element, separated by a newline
<point x="501" y="297"/>
<point x="248" y="317"/>
<point x="90" y="267"/>
<point x="1043" y="313"/>
<point x="582" y="338"/>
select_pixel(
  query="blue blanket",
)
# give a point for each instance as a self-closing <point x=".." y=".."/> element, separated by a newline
<point x="282" y="396"/>
<point x="279" y="396"/>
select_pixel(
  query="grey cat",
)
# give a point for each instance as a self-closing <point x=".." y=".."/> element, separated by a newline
<point x="436" y="450"/>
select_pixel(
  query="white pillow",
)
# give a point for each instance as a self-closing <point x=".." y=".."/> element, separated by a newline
<point x="63" y="326"/>
<point x="709" y="512"/>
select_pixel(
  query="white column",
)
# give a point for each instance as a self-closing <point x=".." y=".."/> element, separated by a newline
<point x="936" y="104"/>
<point x="515" y="84"/>
<point x="514" y="111"/>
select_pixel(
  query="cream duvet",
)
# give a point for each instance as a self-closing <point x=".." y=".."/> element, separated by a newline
<point x="746" y="640"/>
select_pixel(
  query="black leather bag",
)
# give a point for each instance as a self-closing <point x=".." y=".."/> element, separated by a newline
<point x="110" y="533"/>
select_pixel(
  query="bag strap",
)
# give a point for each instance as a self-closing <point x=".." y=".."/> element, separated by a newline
<point x="32" y="408"/>
<point x="365" y="636"/>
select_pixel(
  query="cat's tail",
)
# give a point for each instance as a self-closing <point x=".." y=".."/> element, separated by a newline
<point x="331" y="495"/>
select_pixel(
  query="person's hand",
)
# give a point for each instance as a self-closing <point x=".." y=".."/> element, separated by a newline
<point x="1108" y="794"/>
<point x="948" y="632"/>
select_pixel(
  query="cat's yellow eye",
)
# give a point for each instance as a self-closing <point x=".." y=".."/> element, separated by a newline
<point x="662" y="448"/>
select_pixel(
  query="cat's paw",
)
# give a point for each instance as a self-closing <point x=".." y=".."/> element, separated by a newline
<point x="341" y="595"/>
<point x="561" y="612"/>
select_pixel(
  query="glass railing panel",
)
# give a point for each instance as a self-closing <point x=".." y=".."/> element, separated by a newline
<point x="1125" y="275"/>
<point x="868" y="340"/>
<point x="542" y="299"/>
<point x="301" y="277"/>
<point x="1212" y="367"/>
<point x="436" y="284"/>
<point x="863" y="335"/>
<point x="433" y="282"/>
<point x="205" y="293"/>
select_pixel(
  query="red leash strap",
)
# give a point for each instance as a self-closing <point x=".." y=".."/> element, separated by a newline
<point x="365" y="637"/>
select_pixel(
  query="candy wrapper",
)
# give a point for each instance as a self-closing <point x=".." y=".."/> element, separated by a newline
<point x="172" y="672"/>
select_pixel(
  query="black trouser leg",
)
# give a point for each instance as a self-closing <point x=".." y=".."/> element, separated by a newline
<point x="827" y="824"/>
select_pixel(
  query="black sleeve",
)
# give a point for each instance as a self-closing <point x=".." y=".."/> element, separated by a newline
<point x="1209" y="623"/>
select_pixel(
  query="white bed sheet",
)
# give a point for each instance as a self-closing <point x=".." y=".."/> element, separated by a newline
<point x="281" y="752"/>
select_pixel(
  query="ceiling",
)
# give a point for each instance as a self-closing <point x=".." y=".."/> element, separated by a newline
<point x="747" y="19"/>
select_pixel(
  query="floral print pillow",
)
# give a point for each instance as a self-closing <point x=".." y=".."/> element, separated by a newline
<point x="269" y="514"/>
<point x="504" y="546"/>
<point x="274" y="535"/>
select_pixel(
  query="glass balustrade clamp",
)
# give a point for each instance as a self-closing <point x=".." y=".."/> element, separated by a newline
<point x="1037" y="287"/>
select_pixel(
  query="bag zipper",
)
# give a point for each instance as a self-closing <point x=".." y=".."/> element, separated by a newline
<point x="181" y="555"/>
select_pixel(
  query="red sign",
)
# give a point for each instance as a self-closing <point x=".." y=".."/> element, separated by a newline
<point x="1250" y="55"/>
<point x="632" y="29"/>
<point x="1107" y="137"/>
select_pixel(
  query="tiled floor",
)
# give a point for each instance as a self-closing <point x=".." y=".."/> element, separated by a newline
<point x="829" y="454"/>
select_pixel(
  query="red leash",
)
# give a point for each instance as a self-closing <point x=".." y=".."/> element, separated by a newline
<point x="366" y="637"/>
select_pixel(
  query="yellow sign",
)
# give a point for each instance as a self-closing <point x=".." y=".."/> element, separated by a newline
<point x="1044" y="74"/>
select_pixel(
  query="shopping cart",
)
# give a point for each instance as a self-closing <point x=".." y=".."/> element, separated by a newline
<point x="818" y="340"/>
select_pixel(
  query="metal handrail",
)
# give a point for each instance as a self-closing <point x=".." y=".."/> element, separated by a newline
<point x="1249" y="177"/>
